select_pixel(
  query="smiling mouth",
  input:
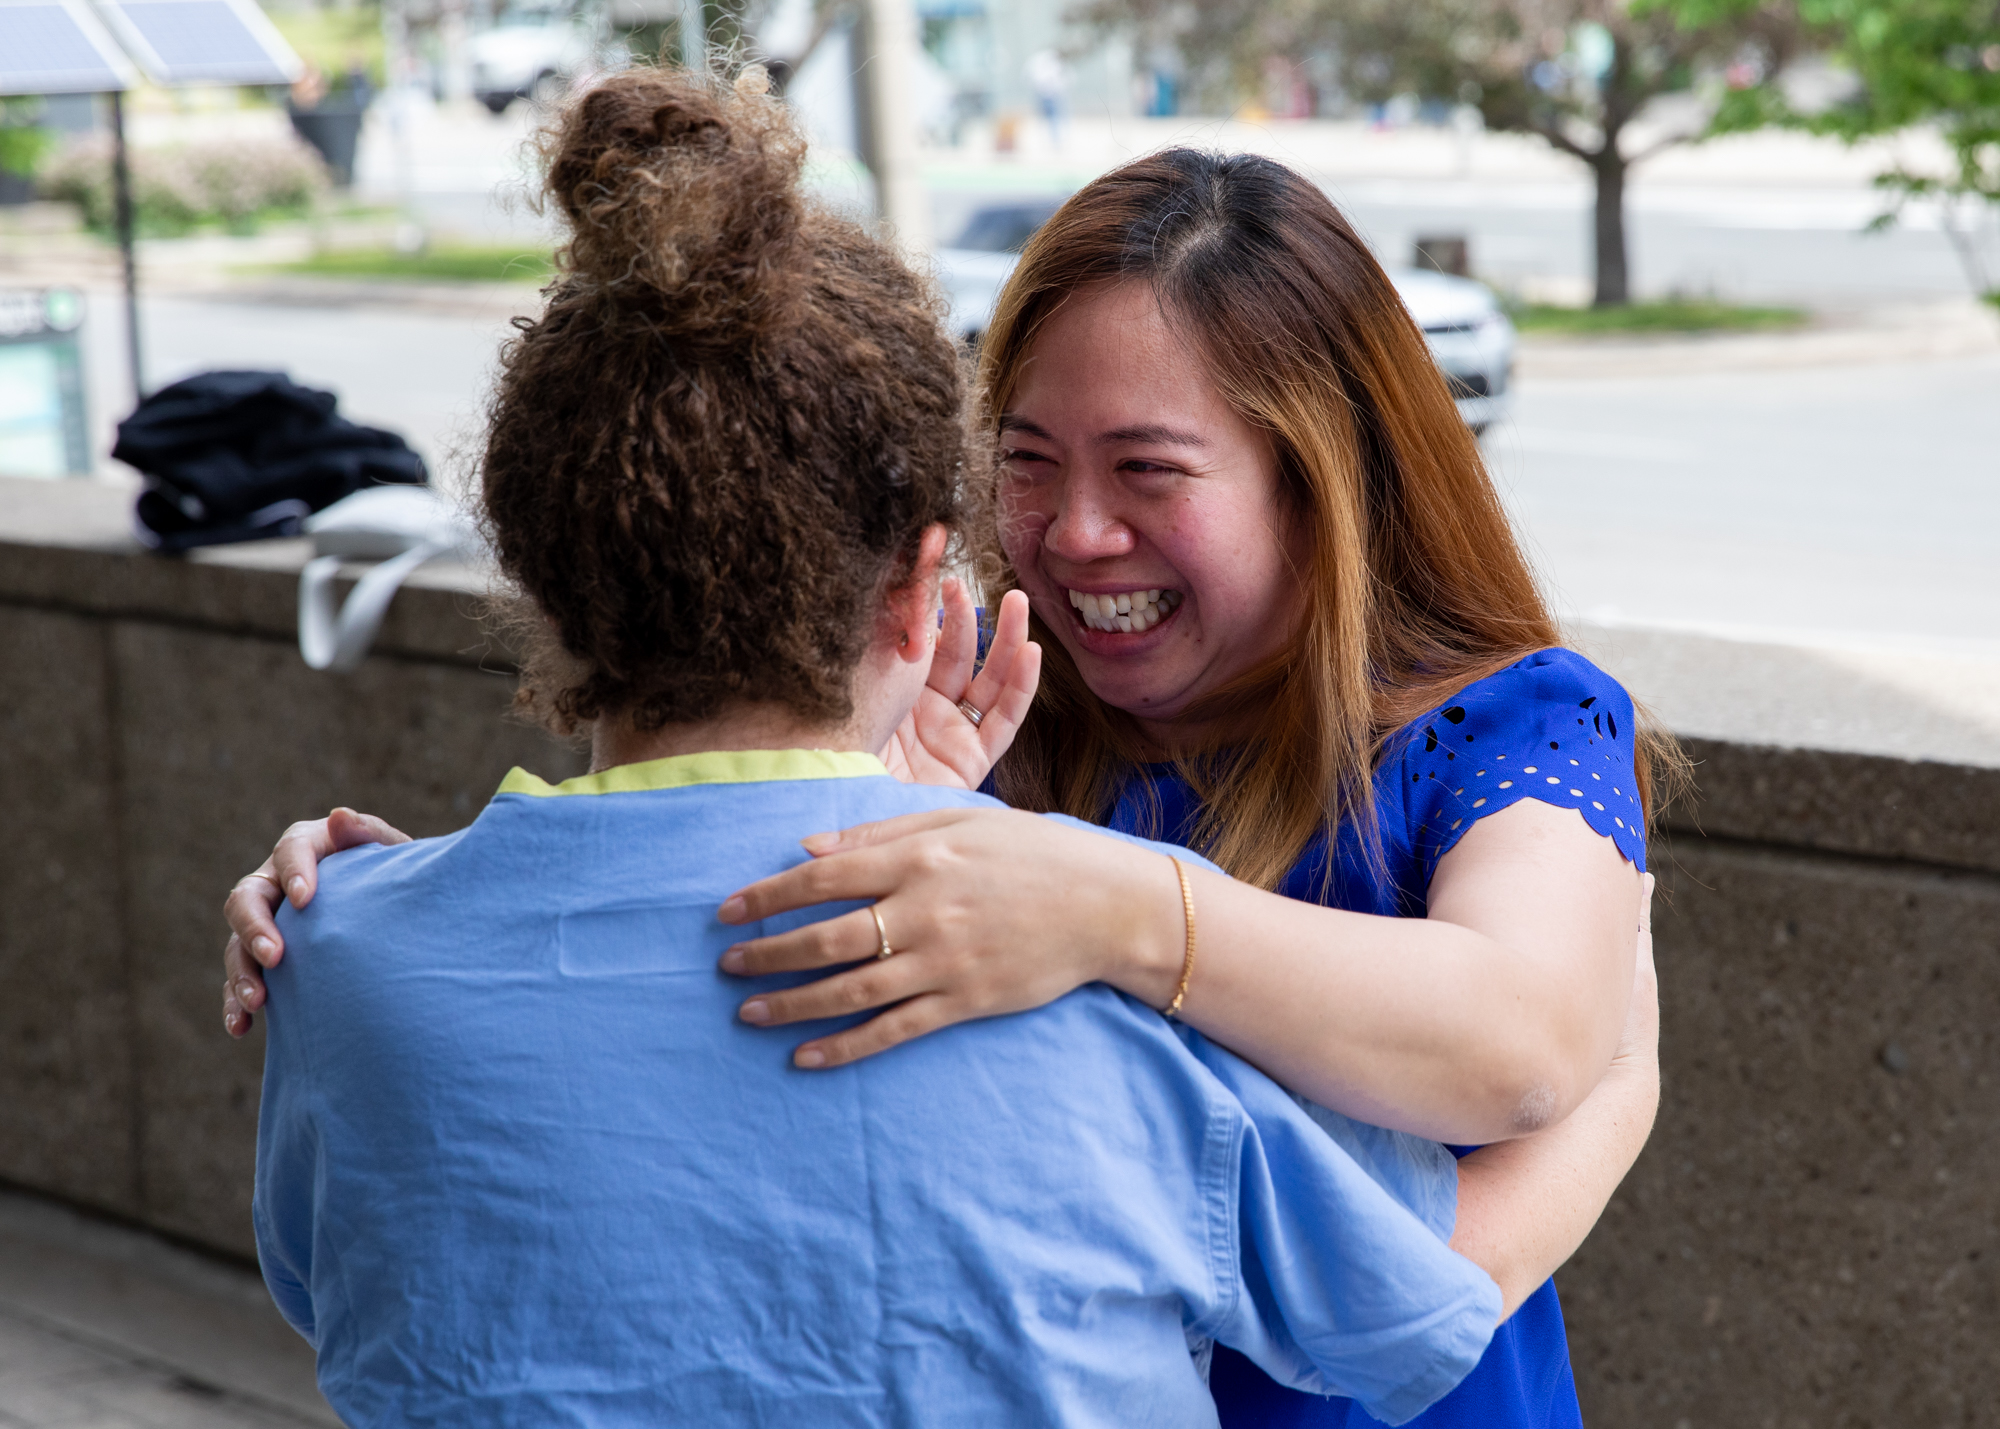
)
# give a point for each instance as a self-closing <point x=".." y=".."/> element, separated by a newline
<point x="1129" y="612"/>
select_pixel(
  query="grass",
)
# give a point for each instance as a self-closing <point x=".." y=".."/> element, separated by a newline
<point x="504" y="264"/>
<point x="1670" y="315"/>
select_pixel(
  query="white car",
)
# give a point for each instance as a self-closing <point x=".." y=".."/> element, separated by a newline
<point x="529" y="58"/>
<point x="1469" y="336"/>
<point x="1471" y="339"/>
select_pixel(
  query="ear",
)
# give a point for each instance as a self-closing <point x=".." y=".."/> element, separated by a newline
<point x="911" y="608"/>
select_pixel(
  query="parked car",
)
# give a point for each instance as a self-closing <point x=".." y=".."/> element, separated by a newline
<point x="978" y="263"/>
<point x="1469" y="336"/>
<point x="529" y="57"/>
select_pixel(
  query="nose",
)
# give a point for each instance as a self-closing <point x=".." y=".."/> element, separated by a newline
<point x="1086" y="526"/>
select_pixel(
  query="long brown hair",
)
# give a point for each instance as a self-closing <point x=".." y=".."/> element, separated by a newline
<point x="1414" y="586"/>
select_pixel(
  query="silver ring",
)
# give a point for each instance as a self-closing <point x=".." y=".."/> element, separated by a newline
<point x="965" y="708"/>
<point x="885" y="951"/>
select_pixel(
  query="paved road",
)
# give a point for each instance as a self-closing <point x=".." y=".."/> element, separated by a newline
<point x="1813" y="503"/>
<point x="1817" y="502"/>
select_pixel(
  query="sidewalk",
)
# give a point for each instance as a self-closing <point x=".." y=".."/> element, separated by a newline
<point x="108" y="1328"/>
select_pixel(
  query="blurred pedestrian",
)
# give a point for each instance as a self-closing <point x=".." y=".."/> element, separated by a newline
<point x="1048" y="77"/>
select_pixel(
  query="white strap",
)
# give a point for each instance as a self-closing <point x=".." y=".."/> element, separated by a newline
<point x="340" y="644"/>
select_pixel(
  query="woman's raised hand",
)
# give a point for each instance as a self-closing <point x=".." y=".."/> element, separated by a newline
<point x="292" y="871"/>
<point x="936" y="743"/>
<point x="965" y="897"/>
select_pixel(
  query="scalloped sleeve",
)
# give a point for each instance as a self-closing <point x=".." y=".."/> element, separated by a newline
<point x="1552" y="727"/>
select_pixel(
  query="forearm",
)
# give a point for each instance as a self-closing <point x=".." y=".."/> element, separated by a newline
<point x="1491" y="1017"/>
<point x="1415" y="1024"/>
<point x="1524" y="1206"/>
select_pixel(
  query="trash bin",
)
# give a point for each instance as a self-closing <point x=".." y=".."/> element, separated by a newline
<point x="333" y="128"/>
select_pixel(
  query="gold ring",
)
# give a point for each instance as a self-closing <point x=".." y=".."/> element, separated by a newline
<point x="875" y="912"/>
<point x="965" y="708"/>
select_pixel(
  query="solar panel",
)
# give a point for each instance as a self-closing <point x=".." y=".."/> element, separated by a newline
<point x="202" y="41"/>
<point x="57" y="47"/>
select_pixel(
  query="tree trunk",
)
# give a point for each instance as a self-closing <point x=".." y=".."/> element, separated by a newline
<point x="1613" y="286"/>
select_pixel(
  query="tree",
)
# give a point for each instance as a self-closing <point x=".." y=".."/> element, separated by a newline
<point x="1912" y="62"/>
<point x="1576" y="73"/>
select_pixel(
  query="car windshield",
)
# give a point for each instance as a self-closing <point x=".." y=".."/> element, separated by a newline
<point x="1004" y="230"/>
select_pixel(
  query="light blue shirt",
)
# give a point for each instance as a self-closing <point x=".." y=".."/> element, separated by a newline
<point x="520" y="1163"/>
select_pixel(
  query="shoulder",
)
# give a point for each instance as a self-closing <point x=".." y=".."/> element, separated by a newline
<point x="1552" y="699"/>
<point x="359" y="887"/>
<point x="1551" y="726"/>
<point x="1550" y="686"/>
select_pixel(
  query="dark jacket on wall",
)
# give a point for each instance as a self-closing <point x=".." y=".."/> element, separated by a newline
<point x="237" y="456"/>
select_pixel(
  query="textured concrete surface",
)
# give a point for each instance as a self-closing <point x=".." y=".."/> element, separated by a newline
<point x="161" y="730"/>
<point x="106" y="1327"/>
<point x="65" y="1014"/>
<point x="1811" y="1239"/>
<point x="1855" y="696"/>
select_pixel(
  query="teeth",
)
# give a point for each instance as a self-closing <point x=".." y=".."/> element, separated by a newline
<point x="1129" y="612"/>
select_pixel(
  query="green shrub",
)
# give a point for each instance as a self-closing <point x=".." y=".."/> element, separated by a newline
<point x="228" y="184"/>
<point x="23" y="142"/>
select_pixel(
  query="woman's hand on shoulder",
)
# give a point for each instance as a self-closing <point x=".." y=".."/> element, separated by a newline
<point x="988" y="911"/>
<point x="937" y="744"/>
<point x="292" y="871"/>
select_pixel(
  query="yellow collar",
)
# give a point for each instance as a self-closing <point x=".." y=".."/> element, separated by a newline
<point x="731" y="766"/>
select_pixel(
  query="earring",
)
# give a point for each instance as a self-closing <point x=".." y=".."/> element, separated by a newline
<point x="905" y="641"/>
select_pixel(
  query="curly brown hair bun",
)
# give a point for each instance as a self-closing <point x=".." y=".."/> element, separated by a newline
<point x="724" y="437"/>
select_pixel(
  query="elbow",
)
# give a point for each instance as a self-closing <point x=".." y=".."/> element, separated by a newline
<point x="1540" y="1082"/>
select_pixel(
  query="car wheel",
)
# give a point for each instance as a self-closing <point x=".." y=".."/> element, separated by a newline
<point x="1478" y="428"/>
<point x="496" y="103"/>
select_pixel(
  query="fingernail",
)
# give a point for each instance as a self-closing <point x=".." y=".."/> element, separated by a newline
<point x="246" y="990"/>
<point x="296" y="889"/>
<point x="229" y="1024"/>
<point x="755" y="1010"/>
<point x="732" y="961"/>
<point x="811" y="1057"/>
<point x="820" y="843"/>
<point x="261" y="948"/>
<point x="732" y="908"/>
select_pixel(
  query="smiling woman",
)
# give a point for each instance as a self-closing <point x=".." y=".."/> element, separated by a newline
<point x="1286" y="623"/>
<point x="1315" y="494"/>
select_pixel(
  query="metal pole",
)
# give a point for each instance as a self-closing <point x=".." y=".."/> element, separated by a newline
<point x="890" y="81"/>
<point x="121" y="200"/>
<point x="691" y="33"/>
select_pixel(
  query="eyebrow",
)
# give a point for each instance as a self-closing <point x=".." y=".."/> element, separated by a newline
<point x="1149" y="433"/>
<point x="1010" y="422"/>
<point x="1152" y="434"/>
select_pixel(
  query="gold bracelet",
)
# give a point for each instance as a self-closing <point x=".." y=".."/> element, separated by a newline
<point x="1187" y="964"/>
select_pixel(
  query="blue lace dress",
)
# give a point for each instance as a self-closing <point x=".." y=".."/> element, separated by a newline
<point x="1552" y="727"/>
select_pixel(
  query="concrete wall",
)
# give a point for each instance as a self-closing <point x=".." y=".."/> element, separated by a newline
<point x="1813" y="1237"/>
<point x="159" y="728"/>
